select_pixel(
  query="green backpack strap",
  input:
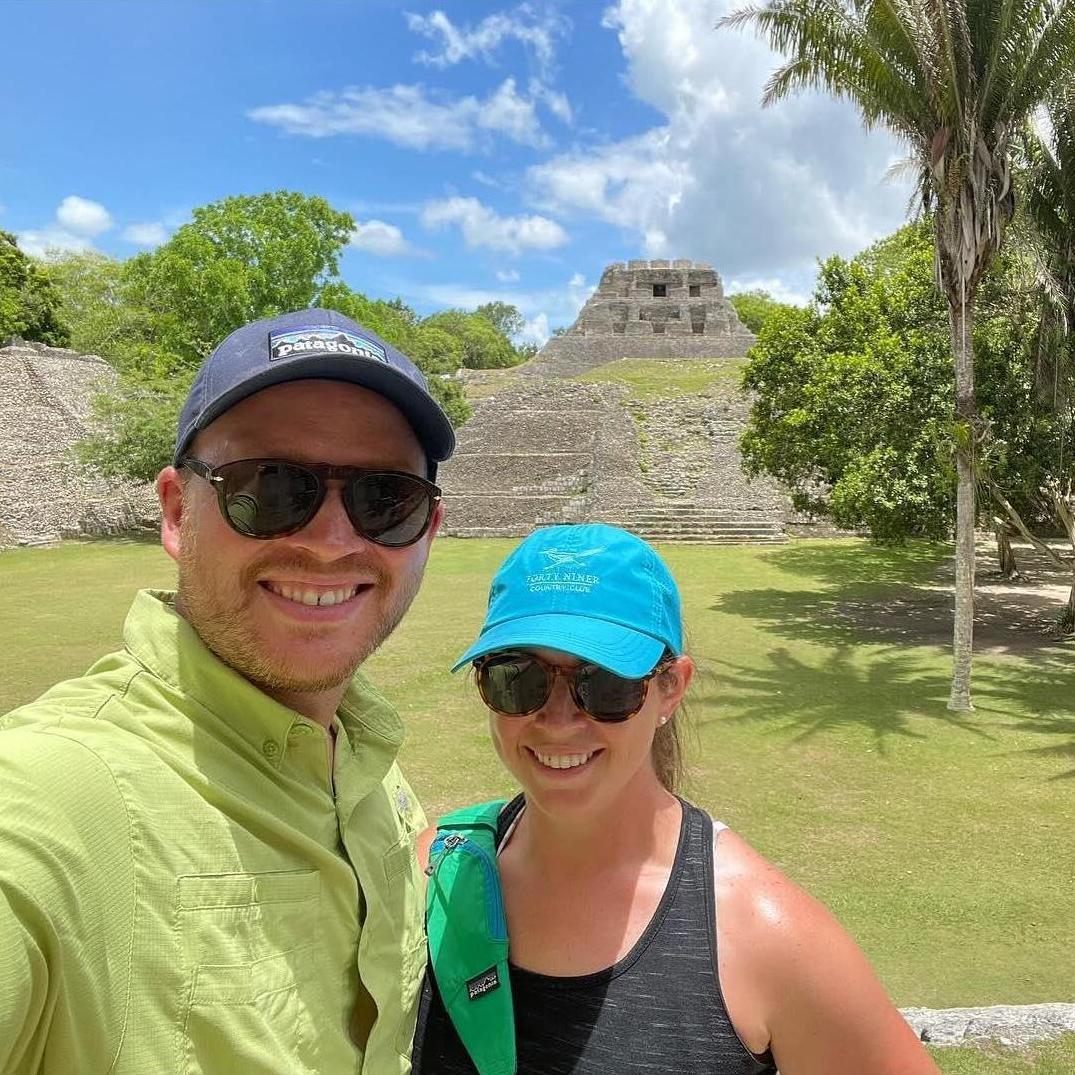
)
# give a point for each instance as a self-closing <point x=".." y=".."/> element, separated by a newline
<point x="468" y="936"/>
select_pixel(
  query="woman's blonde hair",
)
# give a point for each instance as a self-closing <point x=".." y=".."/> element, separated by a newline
<point x="667" y="752"/>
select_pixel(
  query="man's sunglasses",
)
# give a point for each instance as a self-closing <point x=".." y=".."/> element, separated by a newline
<point x="517" y="684"/>
<point x="268" y="498"/>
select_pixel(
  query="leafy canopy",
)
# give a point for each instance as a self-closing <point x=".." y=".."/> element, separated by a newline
<point x="29" y="303"/>
<point x="853" y="406"/>
<point x="755" y="307"/>
<point x="239" y="259"/>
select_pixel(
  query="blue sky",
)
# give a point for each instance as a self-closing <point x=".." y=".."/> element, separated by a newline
<point x="486" y="150"/>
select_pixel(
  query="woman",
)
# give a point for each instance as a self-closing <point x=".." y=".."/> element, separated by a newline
<point x="644" y="937"/>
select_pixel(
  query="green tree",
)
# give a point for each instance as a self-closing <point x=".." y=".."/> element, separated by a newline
<point x="436" y="350"/>
<point x="136" y="425"/>
<point x="29" y="303"/>
<point x="94" y="303"/>
<point x="239" y="259"/>
<point x="484" y="345"/>
<point x="956" y="82"/>
<point x="502" y="316"/>
<point x="393" y="320"/>
<point x="433" y="350"/>
<point x="850" y="398"/>
<point x="755" y="307"/>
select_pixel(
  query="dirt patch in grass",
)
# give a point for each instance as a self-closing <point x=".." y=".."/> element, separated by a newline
<point x="1011" y="616"/>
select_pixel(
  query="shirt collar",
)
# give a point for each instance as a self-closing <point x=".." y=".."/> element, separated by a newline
<point x="161" y="640"/>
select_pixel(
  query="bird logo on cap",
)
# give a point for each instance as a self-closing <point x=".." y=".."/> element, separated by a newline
<point x="559" y="558"/>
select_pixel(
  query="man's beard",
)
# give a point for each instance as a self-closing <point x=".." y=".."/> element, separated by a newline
<point x="225" y="626"/>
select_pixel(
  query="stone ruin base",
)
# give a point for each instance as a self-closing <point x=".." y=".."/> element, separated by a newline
<point x="1015" y="1026"/>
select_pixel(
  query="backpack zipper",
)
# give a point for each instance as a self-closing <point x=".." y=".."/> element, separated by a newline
<point x="443" y="846"/>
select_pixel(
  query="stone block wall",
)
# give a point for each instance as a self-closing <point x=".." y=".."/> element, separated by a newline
<point x="46" y="395"/>
<point x="540" y="453"/>
<point x="568" y="356"/>
<point x="647" y="309"/>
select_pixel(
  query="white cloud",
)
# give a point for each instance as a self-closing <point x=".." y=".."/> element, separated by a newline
<point x="507" y="276"/>
<point x="556" y="102"/>
<point x="411" y="115"/>
<point x="482" y="226"/>
<point x="536" y="330"/>
<point x="377" y="237"/>
<point x="535" y="32"/>
<point x="39" y="242"/>
<point x="77" y="221"/>
<point x="544" y="309"/>
<point x="80" y="216"/>
<point x="781" y="290"/>
<point x="149" y="234"/>
<point x="757" y="192"/>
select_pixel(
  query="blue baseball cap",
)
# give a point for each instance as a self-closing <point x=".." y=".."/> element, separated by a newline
<point x="312" y="344"/>
<point x="594" y="591"/>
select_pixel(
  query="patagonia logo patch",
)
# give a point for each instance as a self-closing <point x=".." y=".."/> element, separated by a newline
<point x="322" y="339"/>
<point x="483" y="983"/>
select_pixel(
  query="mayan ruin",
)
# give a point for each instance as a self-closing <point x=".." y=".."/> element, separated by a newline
<point x="648" y="309"/>
<point x="541" y="447"/>
<point x="547" y="448"/>
<point x="45" y="410"/>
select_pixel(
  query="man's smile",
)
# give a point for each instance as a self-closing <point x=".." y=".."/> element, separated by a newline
<point x="302" y="593"/>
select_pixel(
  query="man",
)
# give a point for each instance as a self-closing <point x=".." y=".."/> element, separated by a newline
<point x="206" y="847"/>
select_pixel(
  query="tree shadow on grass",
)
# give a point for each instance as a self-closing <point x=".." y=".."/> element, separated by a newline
<point x="1031" y="696"/>
<point x="890" y="684"/>
<point x="842" y="562"/>
<point x="900" y="614"/>
<point x="903" y="595"/>
<point x="883" y="692"/>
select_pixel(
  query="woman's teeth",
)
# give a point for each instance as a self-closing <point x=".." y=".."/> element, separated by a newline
<point x="563" y="761"/>
<point x="303" y="596"/>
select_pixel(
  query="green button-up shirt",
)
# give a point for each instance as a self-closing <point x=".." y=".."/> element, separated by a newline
<point x="186" y="887"/>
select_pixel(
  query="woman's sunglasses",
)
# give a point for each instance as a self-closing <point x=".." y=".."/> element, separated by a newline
<point x="268" y="498"/>
<point x="517" y="684"/>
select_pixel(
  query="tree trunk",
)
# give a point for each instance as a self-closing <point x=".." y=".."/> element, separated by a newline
<point x="961" y="320"/>
<point x="1009" y="569"/>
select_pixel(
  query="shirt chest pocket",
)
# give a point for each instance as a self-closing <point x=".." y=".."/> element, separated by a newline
<point x="252" y="972"/>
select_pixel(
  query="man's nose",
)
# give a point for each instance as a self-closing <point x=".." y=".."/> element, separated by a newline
<point x="330" y="533"/>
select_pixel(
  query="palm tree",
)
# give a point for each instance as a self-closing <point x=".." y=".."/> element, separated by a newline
<point x="1048" y="191"/>
<point x="957" y="81"/>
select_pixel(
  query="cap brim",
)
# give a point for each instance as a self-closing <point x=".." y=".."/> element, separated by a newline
<point x="430" y="424"/>
<point x="619" y="649"/>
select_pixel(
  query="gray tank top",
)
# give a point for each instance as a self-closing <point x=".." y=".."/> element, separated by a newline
<point x="658" y="1010"/>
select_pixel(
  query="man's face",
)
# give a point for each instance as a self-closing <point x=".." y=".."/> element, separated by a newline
<point x="250" y="600"/>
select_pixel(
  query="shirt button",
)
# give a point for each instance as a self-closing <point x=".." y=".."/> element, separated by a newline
<point x="270" y="748"/>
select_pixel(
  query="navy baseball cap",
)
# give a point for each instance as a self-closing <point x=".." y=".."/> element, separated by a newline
<point x="312" y="344"/>
<point x="597" y="592"/>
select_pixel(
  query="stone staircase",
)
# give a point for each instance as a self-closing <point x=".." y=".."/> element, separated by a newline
<point x="537" y="453"/>
<point x="689" y="522"/>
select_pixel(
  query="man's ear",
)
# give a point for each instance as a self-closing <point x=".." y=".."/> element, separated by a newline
<point x="170" y="495"/>
<point x="434" y="524"/>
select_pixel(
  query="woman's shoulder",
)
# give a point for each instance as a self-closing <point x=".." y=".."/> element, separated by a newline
<point x="794" y="976"/>
<point x="507" y="809"/>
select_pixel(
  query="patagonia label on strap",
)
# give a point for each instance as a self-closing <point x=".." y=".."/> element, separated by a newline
<point x="483" y="983"/>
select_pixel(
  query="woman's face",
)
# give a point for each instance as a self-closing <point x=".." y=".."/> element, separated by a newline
<point x="564" y="759"/>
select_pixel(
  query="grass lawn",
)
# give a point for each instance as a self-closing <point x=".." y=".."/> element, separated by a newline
<point x="944" y="842"/>
<point x="647" y="378"/>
